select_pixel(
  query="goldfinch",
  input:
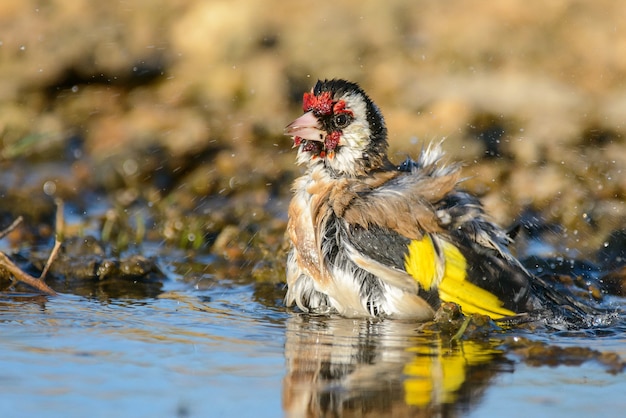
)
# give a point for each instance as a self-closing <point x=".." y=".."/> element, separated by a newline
<point x="369" y="238"/>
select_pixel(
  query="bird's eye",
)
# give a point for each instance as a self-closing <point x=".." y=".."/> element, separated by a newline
<point x="342" y="120"/>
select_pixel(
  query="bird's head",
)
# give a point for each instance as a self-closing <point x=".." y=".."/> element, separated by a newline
<point x="341" y="128"/>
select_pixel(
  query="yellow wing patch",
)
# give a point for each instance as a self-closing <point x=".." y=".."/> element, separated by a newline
<point x="421" y="262"/>
<point x="446" y="270"/>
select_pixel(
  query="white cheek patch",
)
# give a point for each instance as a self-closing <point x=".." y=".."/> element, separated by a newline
<point x="345" y="159"/>
<point x="358" y="132"/>
<point x="356" y="136"/>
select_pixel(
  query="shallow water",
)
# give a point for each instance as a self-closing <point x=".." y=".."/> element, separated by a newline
<point x="222" y="350"/>
<point x="172" y="356"/>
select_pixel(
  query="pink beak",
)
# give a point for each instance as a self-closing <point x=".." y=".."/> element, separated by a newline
<point x="306" y="127"/>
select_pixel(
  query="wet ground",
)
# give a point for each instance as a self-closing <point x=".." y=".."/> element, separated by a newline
<point x="148" y="140"/>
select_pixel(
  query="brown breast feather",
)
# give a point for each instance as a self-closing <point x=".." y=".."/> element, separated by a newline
<point x="407" y="209"/>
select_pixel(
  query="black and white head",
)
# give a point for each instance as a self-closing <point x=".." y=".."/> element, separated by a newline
<point x="341" y="129"/>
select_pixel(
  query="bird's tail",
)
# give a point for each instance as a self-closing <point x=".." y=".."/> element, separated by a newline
<point x="558" y="302"/>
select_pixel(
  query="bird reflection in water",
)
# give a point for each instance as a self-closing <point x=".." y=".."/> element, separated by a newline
<point x="358" y="367"/>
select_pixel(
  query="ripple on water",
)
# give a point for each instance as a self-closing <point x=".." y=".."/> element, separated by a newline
<point x="218" y="350"/>
<point x="73" y="354"/>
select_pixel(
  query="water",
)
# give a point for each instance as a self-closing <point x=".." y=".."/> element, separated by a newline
<point x="172" y="356"/>
<point x="220" y="351"/>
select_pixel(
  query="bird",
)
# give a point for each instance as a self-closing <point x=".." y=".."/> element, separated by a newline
<point x="372" y="239"/>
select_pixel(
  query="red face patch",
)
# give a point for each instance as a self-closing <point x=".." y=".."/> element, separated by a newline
<point x="332" y="140"/>
<point x="340" y="107"/>
<point x="320" y="105"/>
<point x="323" y="104"/>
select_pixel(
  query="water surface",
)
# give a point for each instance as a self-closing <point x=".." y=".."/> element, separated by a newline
<point x="220" y="351"/>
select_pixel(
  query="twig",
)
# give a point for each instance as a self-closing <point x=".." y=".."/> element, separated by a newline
<point x="11" y="227"/>
<point x="23" y="277"/>
<point x="60" y="221"/>
<point x="51" y="258"/>
<point x="19" y="274"/>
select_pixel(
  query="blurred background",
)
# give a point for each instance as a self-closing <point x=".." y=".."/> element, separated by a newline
<point x="181" y="104"/>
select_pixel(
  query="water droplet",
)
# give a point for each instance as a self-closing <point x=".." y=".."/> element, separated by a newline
<point x="50" y="188"/>
<point x="130" y="167"/>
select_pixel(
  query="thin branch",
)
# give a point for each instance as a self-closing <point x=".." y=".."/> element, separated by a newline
<point x="21" y="276"/>
<point x="11" y="227"/>
<point x="60" y="220"/>
<point x="51" y="258"/>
